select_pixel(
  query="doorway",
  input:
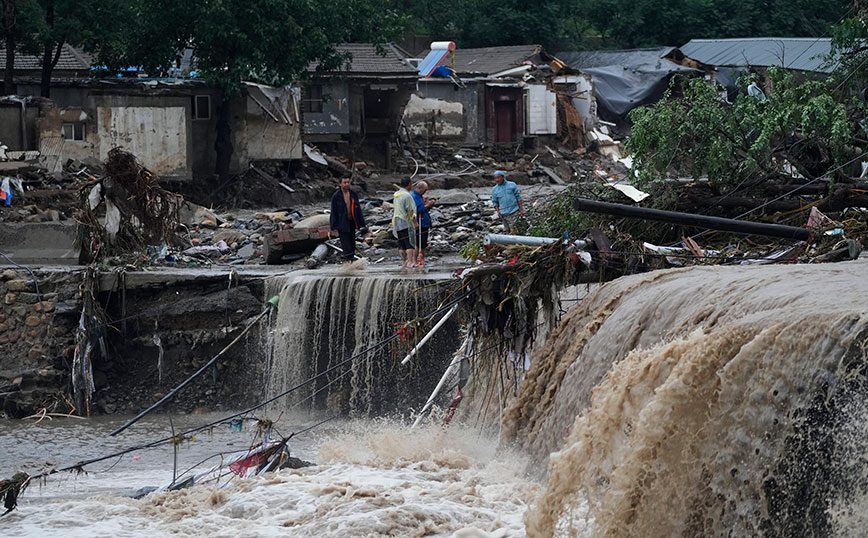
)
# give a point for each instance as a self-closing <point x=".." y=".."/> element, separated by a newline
<point x="504" y="118"/>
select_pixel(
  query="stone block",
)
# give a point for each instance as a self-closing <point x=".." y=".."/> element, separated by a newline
<point x="9" y="274"/>
<point x="44" y="306"/>
<point x="33" y="321"/>
<point x="35" y="353"/>
<point x="10" y="298"/>
<point x="28" y="298"/>
<point x="3" y="328"/>
<point x="17" y="285"/>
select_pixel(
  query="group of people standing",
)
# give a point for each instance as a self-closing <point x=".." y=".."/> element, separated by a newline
<point x="411" y="221"/>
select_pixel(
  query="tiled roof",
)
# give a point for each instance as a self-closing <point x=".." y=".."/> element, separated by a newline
<point x="800" y="53"/>
<point x="366" y="60"/>
<point x="70" y="59"/>
<point x="489" y="60"/>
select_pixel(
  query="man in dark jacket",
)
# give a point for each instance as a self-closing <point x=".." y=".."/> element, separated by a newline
<point x="346" y="217"/>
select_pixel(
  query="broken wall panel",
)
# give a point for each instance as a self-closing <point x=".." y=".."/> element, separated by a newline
<point x="18" y="126"/>
<point x="266" y="139"/>
<point x="468" y="97"/>
<point x="156" y="135"/>
<point x="434" y="118"/>
<point x="542" y="117"/>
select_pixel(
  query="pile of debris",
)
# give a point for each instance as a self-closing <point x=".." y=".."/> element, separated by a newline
<point x="125" y="210"/>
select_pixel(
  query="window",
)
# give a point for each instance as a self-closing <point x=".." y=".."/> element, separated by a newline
<point x="312" y="102"/>
<point x="202" y="107"/>
<point x="73" y="131"/>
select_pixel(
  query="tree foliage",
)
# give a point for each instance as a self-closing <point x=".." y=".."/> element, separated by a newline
<point x="271" y="41"/>
<point x="801" y="124"/>
<point x="646" y="23"/>
<point x="576" y="24"/>
<point x="484" y="23"/>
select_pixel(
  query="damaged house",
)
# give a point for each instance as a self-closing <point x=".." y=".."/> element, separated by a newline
<point x="357" y="110"/>
<point x="169" y="124"/>
<point x="627" y="79"/>
<point x="498" y="95"/>
<point x="730" y="58"/>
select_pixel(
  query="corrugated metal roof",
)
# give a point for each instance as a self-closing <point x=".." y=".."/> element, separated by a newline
<point x="71" y="59"/>
<point x="587" y="59"/>
<point x="799" y="53"/>
<point x="365" y="60"/>
<point x="489" y="60"/>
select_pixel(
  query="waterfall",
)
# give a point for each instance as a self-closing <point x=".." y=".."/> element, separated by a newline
<point x="323" y="320"/>
<point x="716" y="401"/>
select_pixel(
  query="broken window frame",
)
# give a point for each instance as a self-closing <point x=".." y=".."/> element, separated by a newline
<point x="72" y="131"/>
<point x="312" y="101"/>
<point x="198" y="110"/>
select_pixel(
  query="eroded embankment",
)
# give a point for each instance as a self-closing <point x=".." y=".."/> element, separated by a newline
<point x="146" y="332"/>
<point x="719" y="401"/>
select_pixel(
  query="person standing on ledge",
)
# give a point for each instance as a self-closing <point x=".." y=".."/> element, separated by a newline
<point x="506" y="199"/>
<point x="405" y="224"/>
<point x="345" y="218"/>
<point x="422" y="207"/>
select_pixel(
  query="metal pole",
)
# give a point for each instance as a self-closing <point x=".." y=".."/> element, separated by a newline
<point x="691" y="219"/>
<point x="429" y="335"/>
<point x="502" y="239"/>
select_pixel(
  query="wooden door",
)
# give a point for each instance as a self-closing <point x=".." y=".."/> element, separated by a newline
<point x="504" y="118"/>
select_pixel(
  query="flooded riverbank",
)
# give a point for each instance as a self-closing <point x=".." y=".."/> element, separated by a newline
<point x="372" y="478"/>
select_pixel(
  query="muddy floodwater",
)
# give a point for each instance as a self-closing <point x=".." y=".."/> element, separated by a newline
<point x="372" y="478"/>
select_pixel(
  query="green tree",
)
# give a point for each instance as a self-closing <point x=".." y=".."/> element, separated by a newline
<point x="485" y="23"/>
<point x="647" y="23"/>
<point x="751" y="140"/>
<point x="270" y="41"/>
<point x="11" y="31"/>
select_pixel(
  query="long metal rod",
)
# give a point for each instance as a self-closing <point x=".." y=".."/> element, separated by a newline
<point x="429" y="335"/>
<point x="503" y="239"/>
<point x="455" y="361"/>
<point x="691" y="219"/>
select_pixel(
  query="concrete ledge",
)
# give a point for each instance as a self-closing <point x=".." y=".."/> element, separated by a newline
<point x="39" y="243"/>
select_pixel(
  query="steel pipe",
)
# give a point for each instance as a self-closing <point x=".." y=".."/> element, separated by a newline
<point x="501" y="239"/>
<point x="691" y="219"/>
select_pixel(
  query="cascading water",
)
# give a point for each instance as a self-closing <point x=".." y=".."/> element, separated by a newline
<point x="713" y="401"/>
<point x="324" y="319"/>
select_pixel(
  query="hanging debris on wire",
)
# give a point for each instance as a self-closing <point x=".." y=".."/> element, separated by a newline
<point x="11" y="489"/>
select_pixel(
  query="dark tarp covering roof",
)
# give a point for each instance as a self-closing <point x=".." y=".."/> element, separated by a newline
<point x="799" y="53"/>
<point x="626" y="79"/>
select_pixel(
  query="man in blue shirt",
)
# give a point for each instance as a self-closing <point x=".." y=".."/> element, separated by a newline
<point x="422" y="207"/>
<point x="506" y="199"/>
